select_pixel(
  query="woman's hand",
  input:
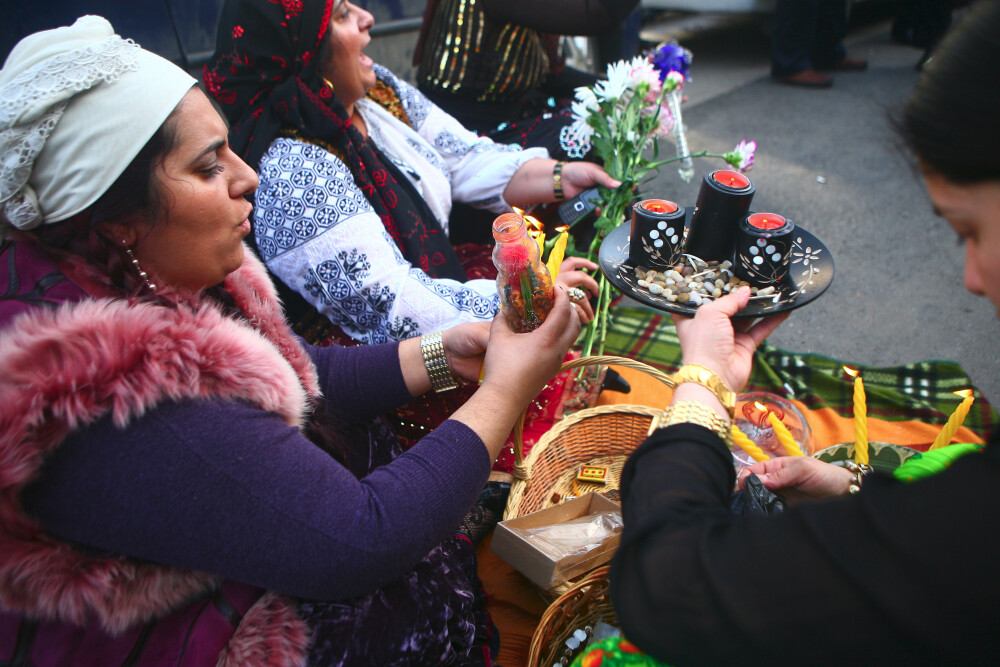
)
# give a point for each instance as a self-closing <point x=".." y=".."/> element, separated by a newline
<point x="578" y="176"/>
<point x="800" y="476"/>
<point x="534" y="183"/>
<point x="572" y="273"/>
<point x="519" y="365"/>
<point x="465" y="347"/>
<point x="710" y="340"/>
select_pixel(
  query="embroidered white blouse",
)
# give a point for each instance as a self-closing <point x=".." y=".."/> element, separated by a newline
<point x="316" y="231"/>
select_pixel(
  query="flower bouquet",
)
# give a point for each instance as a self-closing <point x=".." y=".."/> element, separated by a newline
<point x="622" y="116"/>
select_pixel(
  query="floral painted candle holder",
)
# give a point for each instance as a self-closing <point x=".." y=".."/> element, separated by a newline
<point x="763" y="249"/>
<point x="724" y="200"/>
<point x="657" y="238"/>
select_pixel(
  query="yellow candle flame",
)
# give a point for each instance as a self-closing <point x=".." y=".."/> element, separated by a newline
<point x="564" y="228"/>
<point x="536" y="230"/>
<point x="747" y="445"/>
<point x="955" y="420"/>
<point x="860" y="417"/>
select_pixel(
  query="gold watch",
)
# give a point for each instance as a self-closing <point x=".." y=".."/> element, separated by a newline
<point x="705" y="377"/>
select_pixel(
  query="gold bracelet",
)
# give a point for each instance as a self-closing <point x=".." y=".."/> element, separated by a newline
<point x="432" y="350"/>
<point x="557" y="187"/>
<point x="707" y="378"/>
<point x="693" y="412"/>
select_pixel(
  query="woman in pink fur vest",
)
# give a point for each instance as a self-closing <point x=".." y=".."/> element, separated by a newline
<point x="182" y="480"/>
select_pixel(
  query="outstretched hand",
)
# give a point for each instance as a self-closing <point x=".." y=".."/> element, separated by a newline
<point x="578" y="176"/>
<point x="800" y="476"/>
<point x="709" y="338"/>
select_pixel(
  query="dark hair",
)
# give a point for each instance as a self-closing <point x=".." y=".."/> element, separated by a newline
<point x="950" y="121"/>
<point x="135" y="196"/>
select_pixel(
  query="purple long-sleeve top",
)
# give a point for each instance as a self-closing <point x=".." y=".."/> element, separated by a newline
<point x="223" y="487"/>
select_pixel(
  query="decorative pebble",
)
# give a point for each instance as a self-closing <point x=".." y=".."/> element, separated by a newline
<point x="695" y="281"/>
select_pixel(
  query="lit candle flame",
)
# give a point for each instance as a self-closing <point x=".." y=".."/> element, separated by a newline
<point x="760" y="406"/>
<point x="533" y="224"/>
<point x="851" y="371"/>
<point x="519" y="211"/>
<point x="560" y="230"/>
<point x="964" y="393"/>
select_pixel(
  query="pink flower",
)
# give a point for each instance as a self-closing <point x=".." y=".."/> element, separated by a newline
<point x="741" y="157"/>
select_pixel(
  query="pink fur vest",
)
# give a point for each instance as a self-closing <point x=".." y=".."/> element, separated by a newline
<point x="62" y="369"/>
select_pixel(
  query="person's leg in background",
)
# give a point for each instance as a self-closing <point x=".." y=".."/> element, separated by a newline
<point x="794" y="33"/>
<point x="828" y="52"/>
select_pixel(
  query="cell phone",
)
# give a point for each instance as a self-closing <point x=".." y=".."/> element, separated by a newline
<point x="580" y="207"/>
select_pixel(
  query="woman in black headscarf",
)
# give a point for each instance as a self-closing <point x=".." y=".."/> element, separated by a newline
<point x="359" y="170"/>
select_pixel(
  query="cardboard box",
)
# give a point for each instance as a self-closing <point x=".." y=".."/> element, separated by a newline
<point x="541" y="569"/>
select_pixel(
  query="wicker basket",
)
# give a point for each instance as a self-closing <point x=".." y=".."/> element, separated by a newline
<point x="604" y="435"/>
<point x="585" y="603"/>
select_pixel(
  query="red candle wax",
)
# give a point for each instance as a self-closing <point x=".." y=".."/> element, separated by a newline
<point x="659" y="206"/>
<point x="766" y="221"/>
<point x="731" y="179"/>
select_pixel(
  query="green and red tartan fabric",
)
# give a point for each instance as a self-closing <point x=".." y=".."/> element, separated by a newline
<point x="920" y="391"/>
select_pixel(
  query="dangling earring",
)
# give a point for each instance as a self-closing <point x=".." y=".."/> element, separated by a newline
<point x="135" y="263"/>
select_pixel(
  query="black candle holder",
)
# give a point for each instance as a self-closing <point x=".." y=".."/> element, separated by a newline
<point x="657" y="238"/>
<point x="717" y="215"/>
<point x="763" y="250"/>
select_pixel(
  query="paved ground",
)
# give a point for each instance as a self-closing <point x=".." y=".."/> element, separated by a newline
<point x="898" y="295"/>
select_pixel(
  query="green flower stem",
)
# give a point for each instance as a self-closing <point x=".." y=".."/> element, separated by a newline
<point x="528" y="297"/>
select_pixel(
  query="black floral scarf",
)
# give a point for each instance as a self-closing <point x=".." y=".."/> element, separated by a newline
<point x="265" y="76"/>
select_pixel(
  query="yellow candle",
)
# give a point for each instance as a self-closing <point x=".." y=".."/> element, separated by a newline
<point x="748" y="445"/>
<point x="557" y="253"/>
<point x="956" y="419"/>
<point x="784" y="436"/>
<point x="860" y="417"/>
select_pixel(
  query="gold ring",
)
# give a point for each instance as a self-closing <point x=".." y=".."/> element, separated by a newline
<point x="576" y="294"/>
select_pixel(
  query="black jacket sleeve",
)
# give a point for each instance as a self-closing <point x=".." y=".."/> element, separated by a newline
<point x="899" y="574"/>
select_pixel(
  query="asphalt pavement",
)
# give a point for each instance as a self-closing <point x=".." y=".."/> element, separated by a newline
<point x="829" y="161"/>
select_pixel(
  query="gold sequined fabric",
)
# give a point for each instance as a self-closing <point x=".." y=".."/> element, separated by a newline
<point x="386" y="97"/>
<point x="467" y="54"/>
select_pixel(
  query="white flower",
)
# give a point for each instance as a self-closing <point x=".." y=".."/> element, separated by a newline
<point x="619" y="82"/>
<point x="587" y="99"/>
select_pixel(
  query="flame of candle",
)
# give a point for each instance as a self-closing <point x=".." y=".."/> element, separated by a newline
<point x="560" y="230"/>
<point x="851" y="371"/>
<point x="955" y="420"/>
<point x="533" y="224"/>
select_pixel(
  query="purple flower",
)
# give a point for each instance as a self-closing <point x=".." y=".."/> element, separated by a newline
<point x="671" y="57"/>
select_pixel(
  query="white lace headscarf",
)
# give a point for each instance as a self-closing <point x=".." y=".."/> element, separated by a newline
<point x="77" y="104"/>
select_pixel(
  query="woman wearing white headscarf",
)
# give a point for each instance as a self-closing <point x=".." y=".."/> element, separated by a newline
<point x="182" y="481"/>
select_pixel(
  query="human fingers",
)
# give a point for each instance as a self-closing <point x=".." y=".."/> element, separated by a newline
<point x="578" y="279"/>
<point x="804" y="475"/>
<point x="580" y="175"/>
<point x="584" y="311"/>
<point x="465" y="346"/>
<point x="576" y="263"/>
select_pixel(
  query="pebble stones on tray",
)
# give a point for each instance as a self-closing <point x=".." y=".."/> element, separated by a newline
<point x="693" y="281"/>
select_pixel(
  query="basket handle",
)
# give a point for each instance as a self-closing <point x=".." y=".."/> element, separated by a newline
<point x="520" y="471"/>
